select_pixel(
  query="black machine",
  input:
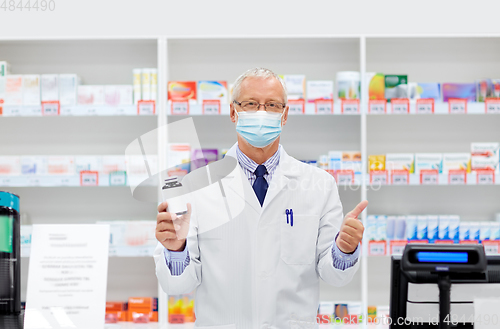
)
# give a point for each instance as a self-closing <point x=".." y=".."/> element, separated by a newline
<point x="422" y="267"/>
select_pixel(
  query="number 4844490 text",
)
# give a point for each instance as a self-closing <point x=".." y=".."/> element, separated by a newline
<point x="30" y="5"/>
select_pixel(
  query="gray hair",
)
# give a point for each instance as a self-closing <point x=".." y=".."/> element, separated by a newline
<point x="260" y="73"/>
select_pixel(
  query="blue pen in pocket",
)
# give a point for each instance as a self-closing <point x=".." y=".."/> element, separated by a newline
<point x="291" y="217"/>
<point x="287" y="214"/>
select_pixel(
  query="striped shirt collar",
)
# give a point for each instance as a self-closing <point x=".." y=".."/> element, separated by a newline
<point x="249" y="165"/>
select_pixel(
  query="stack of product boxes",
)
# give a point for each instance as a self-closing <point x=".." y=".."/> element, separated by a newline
<point x="137" y="310"/>
<point x="483" y="156"/>
<point x="181" y="308"/>
<point x="33" y="89"/>
<point x="339" y="160"/>
<point x="429" y="228"/>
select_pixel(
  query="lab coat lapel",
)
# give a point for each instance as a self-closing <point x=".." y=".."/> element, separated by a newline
<point x="237" y="182"/>
<point x="280" y="178"/>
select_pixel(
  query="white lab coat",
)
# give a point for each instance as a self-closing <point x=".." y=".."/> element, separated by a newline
<point x="250" y="268"/>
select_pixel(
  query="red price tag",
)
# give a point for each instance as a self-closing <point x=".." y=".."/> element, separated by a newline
<point x="180" y="107"/>
<point x="89" y="178"/>
<point x="429" y="176"/>
<point x="485" y="177"/>
<point x="400" y="177"/>
<point x="378" y="177"/>
<point x="457" y="177"/>
<point x="491" y="247"/>
<point x="457" y="105"/>
<point x="492" y="105"/>
<point x="296" y="106"/>
<point x="376" y="248"/>
<point x="425" y="106"/>
<point x="51" y="108"/>
<point x="146" y="107"/>
<point x="469" y="242"/>
<point x="397" y="246"/>
<point x="400" y="105"/>
<point x="377" y="106"/>
<point x="211" y="106"/>
<point x="350" y="106"/>
<point x="344" y="177"/>
<point x="324" y="106"/>
<point x="419" y="241"/>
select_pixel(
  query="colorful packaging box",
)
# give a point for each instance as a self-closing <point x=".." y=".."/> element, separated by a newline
<point x="376" y="162"/>
<point x="459" y="90"/>
<point x="182" y="91"/>
<point x="429" y="90"/>
<point x="317" y="90"/>
<point x="351" y="160"/>
<point x="116" y="312"/>
<point x="68" y="89"/>
<point x="154" y="84"/>
<point x="484" y="89"/>
<point x="422" y="228"/>
<point x="178" y="159"/>
<point x="464" y="231"/>
<point x="495" y="88"/>
<point x="484" y="163"/>
<point x="400" y="161"/>
<point x="456" y="161"/>
<point x="295" y="85"/>
<point x="88" y="163"/>
<point x="428" y="161"/>
<point x="376" y="85"/>
<point x="115" y="95"/>
<point x="10" y="165"/>
<point x="90" y="95"/>
<point x="136" y="73"/>
<point x="203" y="157"/>
<point x="49" y="87"/>
<point x="371" y="228"/>
<point x="181" y="308"/>
<point x="4" y="68"/>
<point x="146" y="84"/>
<point x="212" y="90"/>
<point x="112" y="163"/>
<point x="432" y="228"/>
<point x="2" y="91"/>
<point x="391" y="227"/>
<point x="485" y="149"/>
<point x="31" y="89"/>
<point x="348" y="84"/>
<point x="396" y="86"/>
<point x="411" y="227"/>
<point x="381" y="228"/>
<point x="140" y="309"/>
<point x="60" y="165"/>
<point x="14" y="90"/>
<point x="335" y="160"/>
<point x="444" y="227"/>
<point x="33" y="165"/>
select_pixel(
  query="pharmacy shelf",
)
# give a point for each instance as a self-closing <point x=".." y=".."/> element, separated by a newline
<point x="69" y="181"/>
<point x="77" y="110"/>
<point x="439" y="108"/>
<point x="310" y="109"/>
<point x="130" y="251"/>
<point x="439" y="180"/>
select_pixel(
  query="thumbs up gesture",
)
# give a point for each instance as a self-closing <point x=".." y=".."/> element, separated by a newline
<point x="351" y="230"/>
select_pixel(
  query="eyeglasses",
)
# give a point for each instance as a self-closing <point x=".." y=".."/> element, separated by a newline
<point x="254" y="106"/>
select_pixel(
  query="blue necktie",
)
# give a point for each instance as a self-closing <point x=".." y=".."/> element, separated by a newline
<point x="260" y="185"/>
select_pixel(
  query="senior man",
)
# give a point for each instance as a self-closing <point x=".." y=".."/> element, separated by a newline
<point x="261" y="268"/>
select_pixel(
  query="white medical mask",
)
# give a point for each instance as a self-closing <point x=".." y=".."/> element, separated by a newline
<point x="259" y="128"/>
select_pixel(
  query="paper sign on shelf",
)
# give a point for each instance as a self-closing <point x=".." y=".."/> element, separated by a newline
<point x="457" y="177"/>
<point x="89" y="178"/>
<point x="457" y="105"/>
<point x="323" y="106"/>
<point x="485" y="177"/>
<point x="51" y="108"/>
<point x="429" y="176"/>
<point x="425" y="106"/>
<point x="344" y="177"/>
<point x="67" y="277"/>
<point x="377" y="106"/>
<point x="146" y="107"/>
<point x="179" y="107"/>
<point x="378" y="177"/>
<point x="296" y="106"/>
<point x="492" y="105"/>
<point x="400" y="105"/>
<point x="117" y="178"/>
<point x="400" y="177"/>
<point x="210" y="106"/>
<point x="376" y="248"/>
<point x="491" y="247"/>
<point x="350" y="106"/>
<point x="469" y="242"/>
<point x="397" y="246"/>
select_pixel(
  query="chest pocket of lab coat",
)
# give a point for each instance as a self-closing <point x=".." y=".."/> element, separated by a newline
<point x="298" y="242"/>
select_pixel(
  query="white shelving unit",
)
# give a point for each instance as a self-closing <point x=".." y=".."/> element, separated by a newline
<point x="423" y="58"/>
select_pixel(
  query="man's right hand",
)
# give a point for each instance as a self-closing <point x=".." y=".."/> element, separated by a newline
<point x="172" y="230"/>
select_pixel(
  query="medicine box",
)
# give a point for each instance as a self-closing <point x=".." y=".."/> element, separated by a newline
<point x="456" y="161"/>
<point x="399" y="161"/>
<point x="68" y="89"/>
<point x="31" y="89"/>
<point x="182" y="91"/>
<point x="49" y="87"/>
<point x="317" y="90"/>
<point x="14" y="90"/>
<point x="212" y="90"/>
<point x="295" y="85"/>
<point x="428" y="161"/>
